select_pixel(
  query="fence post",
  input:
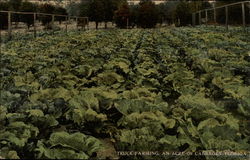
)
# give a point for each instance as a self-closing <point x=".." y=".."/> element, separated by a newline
<point x="215" y="21"/>
<point x="66" y="24"/>
<point x="88" y="23"/>
<point x="193" y="18"/>
<point x="76" y="23"/>
<point x="243" y="16"/>
<point x="9" y="25"/>
<point x="34" y="24"/>
<point x="127" y="22"/>
<point x="206" y="17"/>
<point x="199" y="17"/>
<point x="53" y="21"/>
<point x="226" y="17"/>
<point x="85" y="23"/>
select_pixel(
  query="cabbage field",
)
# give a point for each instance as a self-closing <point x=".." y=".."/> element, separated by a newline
<point x="98" y="93"/>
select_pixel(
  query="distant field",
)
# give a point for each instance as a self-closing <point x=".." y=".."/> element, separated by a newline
<point x="93" y="93"/>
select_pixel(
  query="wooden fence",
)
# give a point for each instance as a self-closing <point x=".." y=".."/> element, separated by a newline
<point x="82" y="22"/>
<point x="214" y="10"/>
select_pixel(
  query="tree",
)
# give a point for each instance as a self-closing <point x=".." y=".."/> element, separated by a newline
<point x="147" y="14"/>
<point x="166" y="11"/>
<point x="109" y="9"/>
<point x="122" y="15"/>
<point x="161" y="13"/>
<point x="133" y="15"/>
<point x="198" y="5"/>
<point x="73" y="9"/>
<point x="3" y="16"/>
<point x="99" y="10"/>
<point x="58" y="2"/>
<point x="15" y="6"/>
<point x="27" y="18"/>
<point x="83" y="8"/>
<point x="60" y="11"/>
<point x="46" y="8"/>
<point x="170" y="11"/>
<point x="183" y="13"/>
<point x="96" y="11"/>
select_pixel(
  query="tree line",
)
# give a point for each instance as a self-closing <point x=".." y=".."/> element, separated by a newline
<point x="28" y="19"/>
<point x="146" y="14"/>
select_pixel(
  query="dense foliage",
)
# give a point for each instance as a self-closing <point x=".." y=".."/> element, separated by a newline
<point x="97" y="10"/>
<point x="145" y="14"/>
<point x="25" y="6"/>
<point x="3" y="16"/>
<point x="46" y="8"/>
<point x="122" y="16"/>
<point x="89" y="94"/>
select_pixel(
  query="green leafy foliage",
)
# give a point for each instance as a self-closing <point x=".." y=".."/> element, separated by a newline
<point x="64" y="145"/>
<point x="87" y="93"/>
